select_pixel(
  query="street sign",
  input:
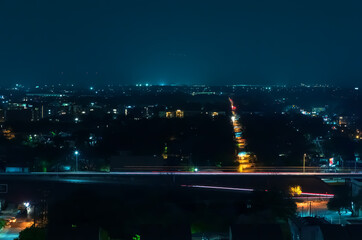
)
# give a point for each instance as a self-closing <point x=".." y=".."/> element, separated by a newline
<point x="3" y="188"/>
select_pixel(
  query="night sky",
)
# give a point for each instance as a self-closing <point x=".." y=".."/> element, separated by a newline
<point x="181" y="42"/>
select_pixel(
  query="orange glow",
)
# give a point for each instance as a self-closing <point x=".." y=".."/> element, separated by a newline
<point x="295" y="191"/>
<point x="8" y="134"/>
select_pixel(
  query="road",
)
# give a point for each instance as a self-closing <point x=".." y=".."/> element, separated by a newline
<point x="211" y="172"/>
<point x="317" y="208"/>
<point x="24" y="184"/>
<point x="12" y="231"/>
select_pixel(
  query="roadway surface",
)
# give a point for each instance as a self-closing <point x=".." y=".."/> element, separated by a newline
<point x="310" y="182"/>
<point x="296" y="171"/>
<point x="23" y="186"/>
<point x="12" y="231"/>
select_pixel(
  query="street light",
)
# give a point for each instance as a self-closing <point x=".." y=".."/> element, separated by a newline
<point x="76" y="153"/>
<point x="356" y="155"/>
<point x="304" y="156"/>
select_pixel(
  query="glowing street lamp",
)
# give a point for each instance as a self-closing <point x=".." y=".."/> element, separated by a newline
<point x="76" y="153"/>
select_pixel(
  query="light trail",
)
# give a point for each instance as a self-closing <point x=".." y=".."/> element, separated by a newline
<point x="318" y="194"/>
<point x="303" y="195"/>
<point x="310" y="198"/>
<point x="220" y="188"/>
<point x="200" y="173"/>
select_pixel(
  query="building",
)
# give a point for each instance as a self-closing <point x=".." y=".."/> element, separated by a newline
<point x="312" y="228"/>
<point x="172" y="114"/>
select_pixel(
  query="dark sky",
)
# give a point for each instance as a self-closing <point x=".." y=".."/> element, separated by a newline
<point x="215" y="42"/>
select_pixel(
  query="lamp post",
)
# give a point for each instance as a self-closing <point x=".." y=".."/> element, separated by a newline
<point x="304" y="156"/>
<point x="356" y="155"/>
<point x="76" y="153"/>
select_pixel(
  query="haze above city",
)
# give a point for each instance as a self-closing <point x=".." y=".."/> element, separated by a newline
<point x="180" y="42"/>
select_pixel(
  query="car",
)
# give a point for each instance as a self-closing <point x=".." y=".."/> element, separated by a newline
<point x="12" y="220"/>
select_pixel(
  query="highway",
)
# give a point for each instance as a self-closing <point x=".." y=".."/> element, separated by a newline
<point x="219" y="185"/>
<point x="310" y="182"/>
<point x="147" y="172"/>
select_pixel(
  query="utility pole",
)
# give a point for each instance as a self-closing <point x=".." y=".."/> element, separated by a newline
<point x="304" y="156"/>
<point x="342" y="162"/>
<point x="355" y="165"/>
<point x="356" y="155"/>
<point x="310" y="209"/>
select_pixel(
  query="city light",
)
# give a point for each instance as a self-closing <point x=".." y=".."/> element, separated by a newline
<point x="242" y="154"/>
<point x="76" y="153"/>
<point x="136" y="237"/>
<point x="331" y="162"/>
<point x="296" y="190"/>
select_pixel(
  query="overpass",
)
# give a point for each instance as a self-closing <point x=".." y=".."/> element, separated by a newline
<point x="113" y="175"/>
<point x="310" y="182"/>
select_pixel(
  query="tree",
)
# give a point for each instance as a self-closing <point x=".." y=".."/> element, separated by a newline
<point x="33" y="233"/>
<point x="280" y="205"/>
<point x="340" y="145"/>
<point x="342" y="200"/>
<point x="2" y="223"/>
<point x="274" y="140"/>
<point x="357" y="203"/>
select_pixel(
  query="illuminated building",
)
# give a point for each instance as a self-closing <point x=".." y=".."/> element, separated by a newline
<point x="8" y="134"/>
<point x="169" y="114"/>
<point x="179" y="114"/>
<point x="172" y="114"/>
